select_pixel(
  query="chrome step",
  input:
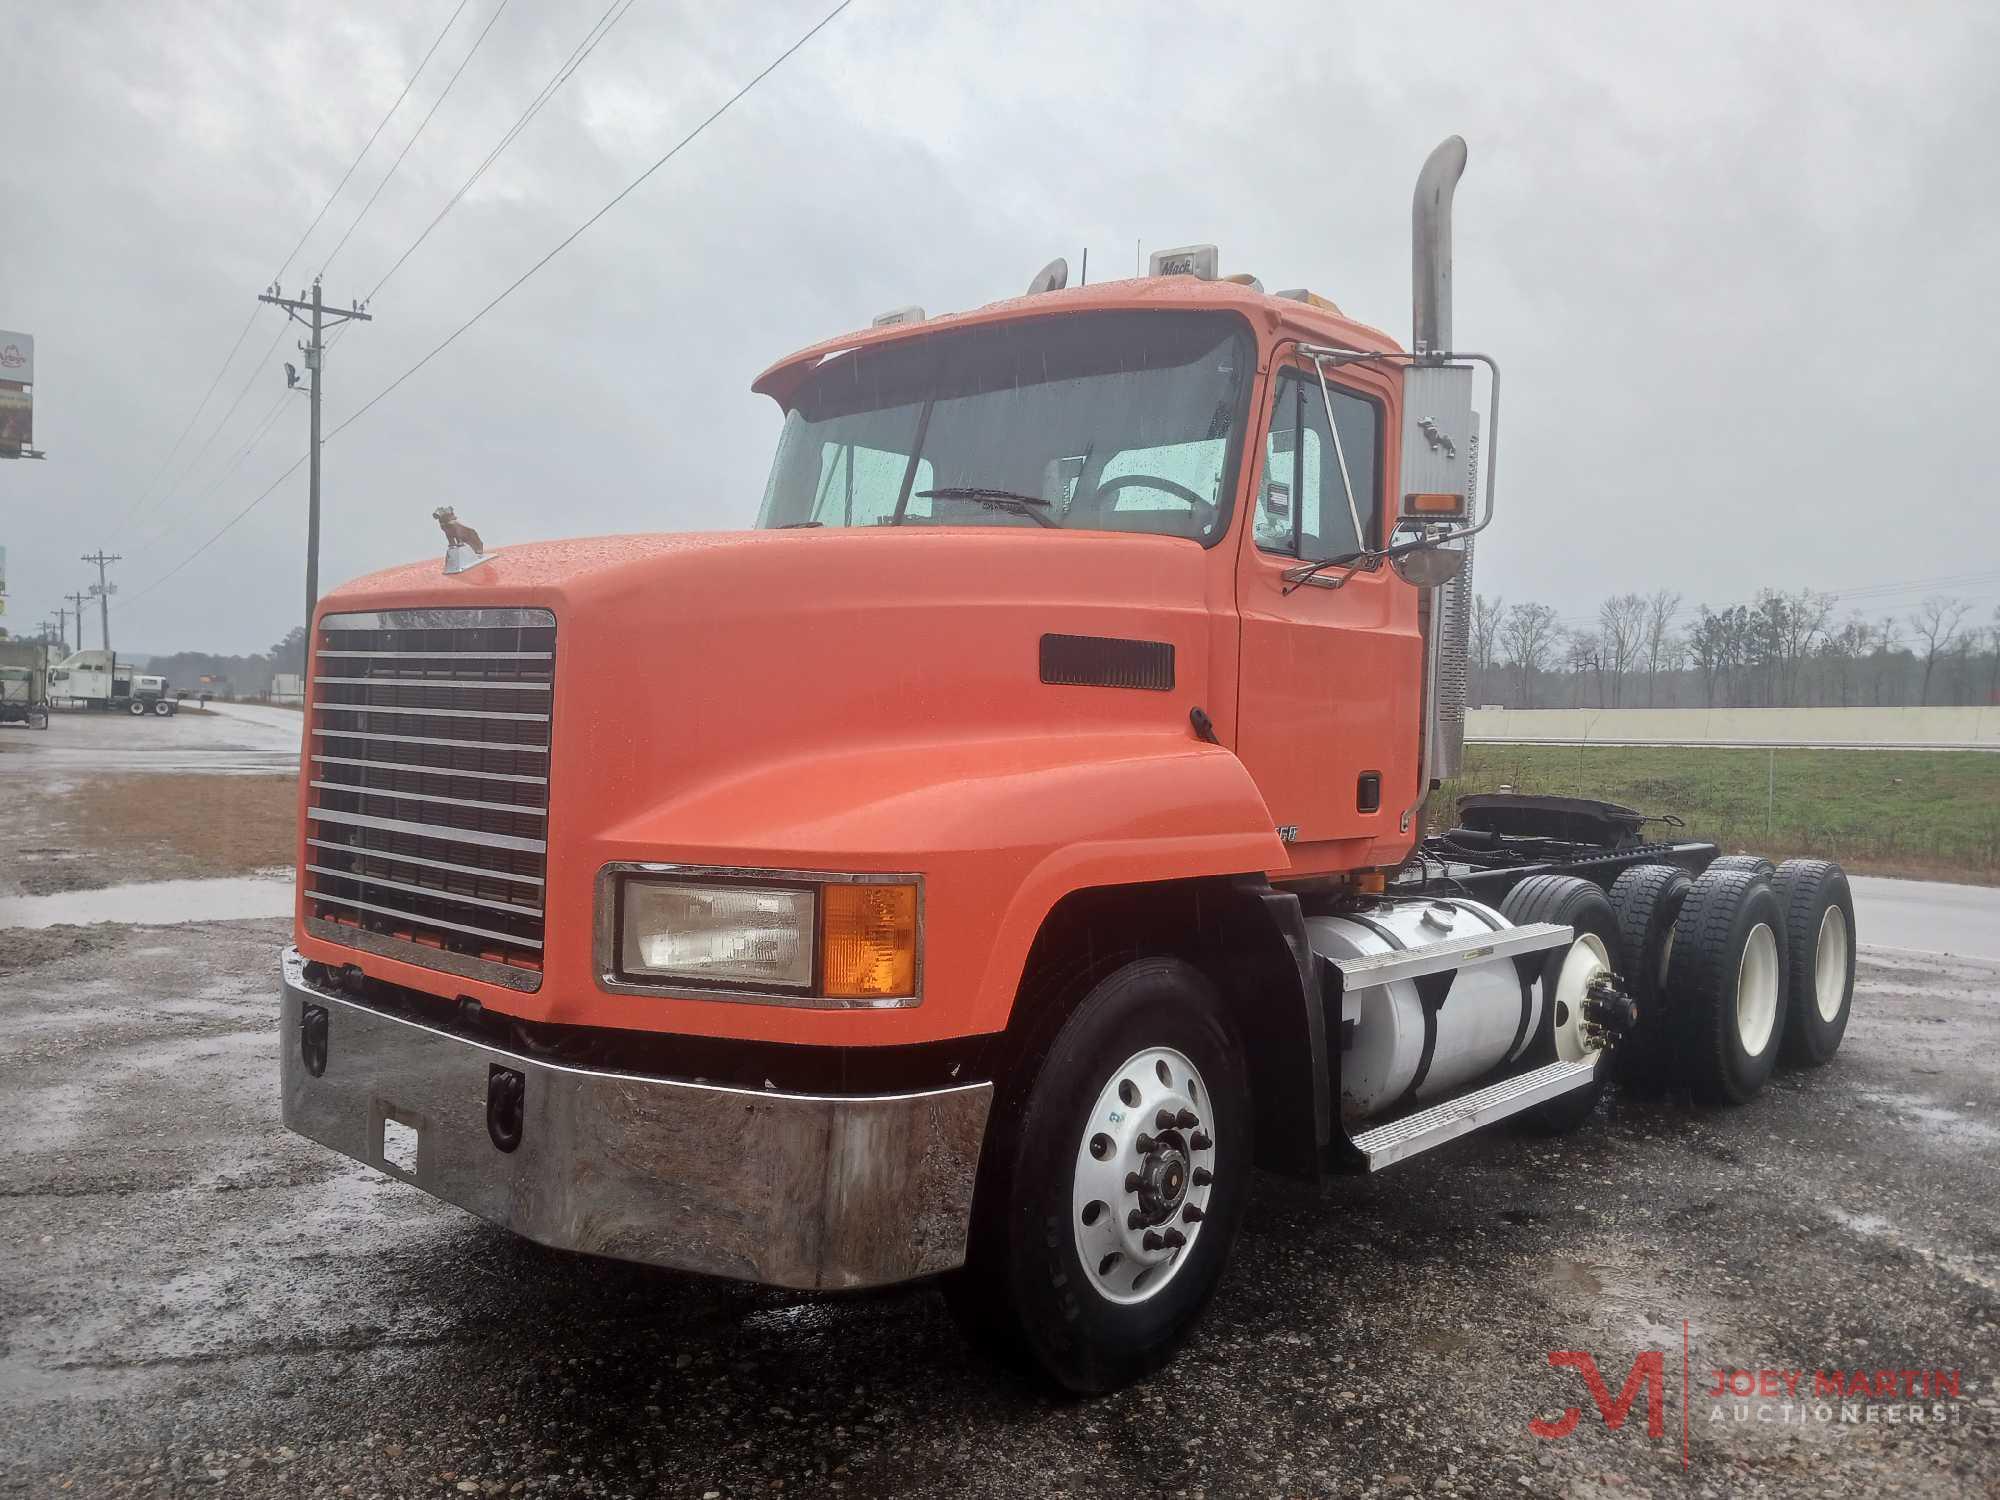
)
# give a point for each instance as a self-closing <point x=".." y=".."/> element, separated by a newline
<point x="1417" y="1133"/>
<point x="1449" y="953"/>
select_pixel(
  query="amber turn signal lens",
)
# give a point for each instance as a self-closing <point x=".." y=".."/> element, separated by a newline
<point x="1433" y="505"/>
<point x="868" y="941"/>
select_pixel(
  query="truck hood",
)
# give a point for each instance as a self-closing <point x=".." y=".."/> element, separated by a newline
<point x="690" y="657"/>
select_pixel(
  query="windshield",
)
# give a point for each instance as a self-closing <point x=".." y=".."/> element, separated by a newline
<point x="1110" y="421"/>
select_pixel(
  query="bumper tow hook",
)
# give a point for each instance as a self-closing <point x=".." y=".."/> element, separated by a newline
<point x="506" y="1093"/>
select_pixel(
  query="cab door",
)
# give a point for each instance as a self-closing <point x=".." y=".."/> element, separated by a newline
<point x="1329" y="668"/>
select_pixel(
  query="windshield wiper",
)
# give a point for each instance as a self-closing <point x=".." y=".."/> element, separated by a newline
<point x="797" y="525"/>
<point x="1008" y="500"/>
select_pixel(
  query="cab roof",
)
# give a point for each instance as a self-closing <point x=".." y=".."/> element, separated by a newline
<point x="1271" y="316"/>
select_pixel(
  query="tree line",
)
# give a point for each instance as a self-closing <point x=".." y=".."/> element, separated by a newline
<point x="1787" y="650"/>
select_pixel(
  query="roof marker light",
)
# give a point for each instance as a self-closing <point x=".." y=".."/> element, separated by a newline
<point x="896" y="317"/>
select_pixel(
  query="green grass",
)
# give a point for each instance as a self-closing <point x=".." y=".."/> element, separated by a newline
<point x="1930" y="814"/>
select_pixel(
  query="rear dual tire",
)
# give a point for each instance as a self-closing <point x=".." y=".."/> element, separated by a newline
<point x="1585" y="909"/>
<point x="1728" y="976"/>
<point x="1647" y="899"/>
<point x="1819" y="943"/>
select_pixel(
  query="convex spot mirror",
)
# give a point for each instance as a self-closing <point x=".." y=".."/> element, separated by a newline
<point x="1429" y="567"/>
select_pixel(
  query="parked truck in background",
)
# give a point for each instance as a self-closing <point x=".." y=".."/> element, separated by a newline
<point x="98" y="679"/>
<point x="1022" y="834"/>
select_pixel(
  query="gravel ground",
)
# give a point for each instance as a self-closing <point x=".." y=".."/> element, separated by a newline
<point x="195" y="1303"/>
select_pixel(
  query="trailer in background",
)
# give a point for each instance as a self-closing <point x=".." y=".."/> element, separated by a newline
<point x="23" y="698"/>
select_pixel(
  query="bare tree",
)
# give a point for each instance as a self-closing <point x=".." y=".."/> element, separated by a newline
<point x="1842" y="651"/>
<point x="1936" y="625"/>
<point x="1661" y="607"/>
<point x="1621" y="632"/>
<point x="1528" y="632"/>
<point x="1485" y="630"/>
<point x="1888" y="641"/>
<point x="1584" y="654"/>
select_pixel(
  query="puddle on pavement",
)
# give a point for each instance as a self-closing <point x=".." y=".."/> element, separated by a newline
<point x="1939" y="1121"/>
<point x="156" y="903"/>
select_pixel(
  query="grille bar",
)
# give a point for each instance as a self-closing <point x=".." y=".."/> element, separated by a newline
<point x="428" y="713"/>
<point x="396" y="765"/>
<point x="443" y="682"/>
<point x="427" y="787"/>
<point x="442" y="655"/>
<point x="429" y="864"/>
<point x="360" y="790"/>
<point x="418" y="739"/>
<point x="425" y="919"/>
<point x="426" y="890"/>
<point x="429" y="830"/>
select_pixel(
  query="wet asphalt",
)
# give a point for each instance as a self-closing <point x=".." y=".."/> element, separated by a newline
<point x="193" y="1302"/>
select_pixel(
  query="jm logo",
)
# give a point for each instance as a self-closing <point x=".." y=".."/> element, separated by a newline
<point x="1648" y="1373"/>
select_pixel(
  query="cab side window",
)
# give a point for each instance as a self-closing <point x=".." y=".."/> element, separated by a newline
<point x="1302" y="508"/>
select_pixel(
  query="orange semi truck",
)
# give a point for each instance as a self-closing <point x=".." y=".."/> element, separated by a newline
<point x="1022" y="840"/>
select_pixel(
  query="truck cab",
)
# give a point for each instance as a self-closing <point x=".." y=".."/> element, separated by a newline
<point x="974" y="867"/>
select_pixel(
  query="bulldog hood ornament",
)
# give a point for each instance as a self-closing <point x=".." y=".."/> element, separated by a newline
<point x="462" y="547"/>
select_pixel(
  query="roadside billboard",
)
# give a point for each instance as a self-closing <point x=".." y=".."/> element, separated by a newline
<point x="17" y="401"/>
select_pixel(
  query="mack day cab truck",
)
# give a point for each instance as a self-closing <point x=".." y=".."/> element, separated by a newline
<point x="1021" y="839"/>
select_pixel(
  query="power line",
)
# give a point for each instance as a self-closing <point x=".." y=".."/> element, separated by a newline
<point x="262" y="430"/>
<point x="623" y="193"/>
<point x="193" y="418"/>
<point x="443" y="95"/>
<point x="256" y="369"/>
<point x="578" y="55"/>
<point x="380" y="126"/>
<point x="202" y="404"/>
<point x="577" y="233"/>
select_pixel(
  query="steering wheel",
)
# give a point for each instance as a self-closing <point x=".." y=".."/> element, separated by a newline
<point x="1202" y="511"/>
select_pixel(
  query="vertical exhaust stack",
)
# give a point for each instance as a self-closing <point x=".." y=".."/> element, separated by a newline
<point x="1449" y="616"/>
<point x="1430" y="247"/>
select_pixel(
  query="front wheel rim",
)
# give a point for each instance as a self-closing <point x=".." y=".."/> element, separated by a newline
<point x="1830" y="964"/>
<point x="1757" y="990"/>
<point x="1145" y="1172"/>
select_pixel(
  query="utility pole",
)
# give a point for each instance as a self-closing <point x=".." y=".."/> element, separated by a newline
<point x="62" y="626"/>
<point x="77" y="599"/>
<point x="297" y="308"/>
<point x="104" y="591"/>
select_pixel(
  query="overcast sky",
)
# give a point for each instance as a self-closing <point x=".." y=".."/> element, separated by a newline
<point x="1738" y="265"/>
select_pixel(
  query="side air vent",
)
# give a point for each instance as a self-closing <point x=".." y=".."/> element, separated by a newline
<point x="1106" y="661"/>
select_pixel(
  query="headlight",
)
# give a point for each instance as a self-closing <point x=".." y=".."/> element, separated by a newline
<point x="731" y="934"/>
<point x="817" y="939"/>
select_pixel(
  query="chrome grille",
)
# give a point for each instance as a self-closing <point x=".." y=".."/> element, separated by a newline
<point x="428" y="777"/>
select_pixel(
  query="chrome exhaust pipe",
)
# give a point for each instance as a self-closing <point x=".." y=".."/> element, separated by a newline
<point x="1430" y="247"/>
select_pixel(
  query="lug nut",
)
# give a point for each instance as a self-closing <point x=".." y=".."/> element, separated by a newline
<point x="1164" y="1120"/>
<point x="1145" y="1144"/>
<point x="1200" y="1141"/>
<point x="1134" y="1219"/>
<point x="1187" y="1119"/>
<point x="1154" y="1240"/>
<point x="1202" y="1177"/>
<point x="1174" y="1238"/>
<point x="1190" y="1214"/>
<point x="1132" y="1183"/>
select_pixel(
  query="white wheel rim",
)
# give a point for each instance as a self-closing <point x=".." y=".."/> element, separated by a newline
<point x="1757" y="991"/>
<point x="1586" y="962"/>
<point x="1128" y="1206"/>
<point x="1830" y="964"/>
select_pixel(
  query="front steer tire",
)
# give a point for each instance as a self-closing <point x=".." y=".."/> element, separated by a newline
<point x="1025" y="1289"/>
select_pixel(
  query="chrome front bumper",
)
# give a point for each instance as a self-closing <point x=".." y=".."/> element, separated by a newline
<point x="793" y="1190"/>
